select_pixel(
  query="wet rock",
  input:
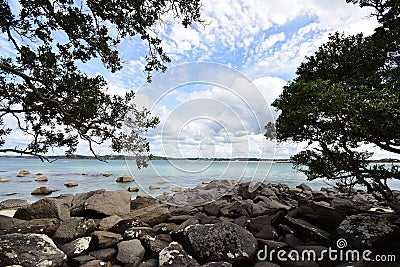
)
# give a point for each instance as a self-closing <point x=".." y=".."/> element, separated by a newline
<point x="152" y="215"/>
<point x="13" y="204"/>
<point x="220" y="242"/>
<point x="130" y="252"/>
<point x="71" y="184"/>
<point x="175" y="255"/>
<point x="101" y="203"/>
<point x="42" y="191"/>
<point x="73" y="228"/>
<point x="4" y="180"/>
<point x="107" y="174"/>
<point x="76" y="247"/>
<point x="30" y="250"/>
<point x="104" y="239"/>
<point x="124" y="179"/>
<point x="133" y="189"/>
<point x="46" y="208"/>
<point x="154" y="187"/>
<point x="308" y="231"/>
<point x="42" y="179"/>
<point x="366" y="231"/>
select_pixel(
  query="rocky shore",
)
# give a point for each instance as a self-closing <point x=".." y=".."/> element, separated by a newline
<point x="273" y="226"/>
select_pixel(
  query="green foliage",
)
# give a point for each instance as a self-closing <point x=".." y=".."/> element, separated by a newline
<point x="50" y="98"/>
<point x="345" y="96"/>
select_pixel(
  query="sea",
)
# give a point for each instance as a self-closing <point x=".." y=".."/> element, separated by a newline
<point x="163" y="175"/>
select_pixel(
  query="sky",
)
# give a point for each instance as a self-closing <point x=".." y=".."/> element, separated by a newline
<point x="215" y="98"/>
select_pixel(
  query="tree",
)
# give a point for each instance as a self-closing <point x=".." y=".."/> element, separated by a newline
<point x="346" y="96"/>
<point x="50" y="98"/>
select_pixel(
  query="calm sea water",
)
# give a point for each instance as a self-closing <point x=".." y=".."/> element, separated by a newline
<point x="165" y="174"/>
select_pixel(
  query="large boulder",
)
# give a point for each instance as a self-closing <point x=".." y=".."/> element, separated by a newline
<point x="46" y="226"/>
<point x="101" y="203"/>
<point x="308" y="232"/>
<point x="13" y="204"/>
<point x="30" y="250"/>
<point x="174" y="255"/>
<point x="367" y="231"/>
<point x="220" y="242"/>
<point x="104" y="239"/>
<point x="76" y="247"/>
<point x="42" y="191"/>
<point x="46" y="208"/>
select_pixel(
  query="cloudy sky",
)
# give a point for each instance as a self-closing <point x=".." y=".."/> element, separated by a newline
<point x="214" y="99"/>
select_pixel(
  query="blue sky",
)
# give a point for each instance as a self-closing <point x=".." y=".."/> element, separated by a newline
<point x="259" y="42"/>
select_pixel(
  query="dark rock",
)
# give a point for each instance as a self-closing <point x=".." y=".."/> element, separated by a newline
<point x="123" y="225"/>
<point x="178" y="219"/>
<point x="308" y="231"/>
<point x="13" y="204"/>
<point x="138" y="232"/>
<point x="326" y="218"/>
<point x="272" y="245"/>
<point x="152" y="215"/>
<point x="241" y="221"/>
<point x="71" y="184"/>
<point x="300" y="264"/>
<point x="244" y="192"/>
<point x="265" y="264"/>
<point x="73" y="228"/>
<point x="154" y="246"/>
<point x="103" y="254"/>
<point x="81" y="260"/>
<point x="133" y="189"/>
<point x="366" y="231"/>
<point x="185" y="210"/>
<point x="143" y="202"/>
<point x="42" y="191"/>
<point x="109" y="222"/>
<point x="30" y="250"/>
<point x="101" y="203"/>
<point x="149" y="263"/>
<point x="291" y="240"/>
<point x="205" y="219"/>
<point x="255" y="225"/>
<point x="220" y="242"/>
<point x="344" y="205"/>
<point x="130" y="252"/>
<point x="124" y="179"/>
<point x="211" y="209"/>
<point x="37" y="226"/>
<point x="363" y="201"/>
<point x="174" y="255"/>
<point x="177" y="235"/>
<point x="46" y="208"/>
<point x="268" y="232"/>
<point x="239" y="208"/>
<point x="104" y="239"/>
<point x="271" y="204"/>
<point x="77" y="247"/>
<point x="165" y="228"/>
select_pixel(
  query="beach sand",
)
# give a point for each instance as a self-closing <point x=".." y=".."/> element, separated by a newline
<point x="9" y="213"/>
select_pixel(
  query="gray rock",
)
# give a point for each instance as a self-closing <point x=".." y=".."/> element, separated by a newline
<point x="46" y="208"/>
<point x="174" y="255"/>
<point x="211" y="209"/>
<point x="81" y="260"/>
<point x="256" y="224"/>
<point x="30" y="250"/>
<point x="265" y="264"/>
<point x="13" y="204"/>
<point x="94" y="263"/>
<point x="308" y="231"/>
<point x="149" y="263"/>
<point x="138" y="232"/>
<point x="123" y="225"/>
<point x="73" y="228"/>
<point x="103" y="254"/>
<point x="268" y="233"/>
<point x="101" y="203"/>
<point x="366" y="231"/>
<point x="109" y="222"/>
<point x="131" y="252"/>
<point x="154" y="246"/>
<point x="152" y="215"/>
<point x="77" y="247"/>
<point x="104" y="239"/>
<point x="220" y="242"/>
